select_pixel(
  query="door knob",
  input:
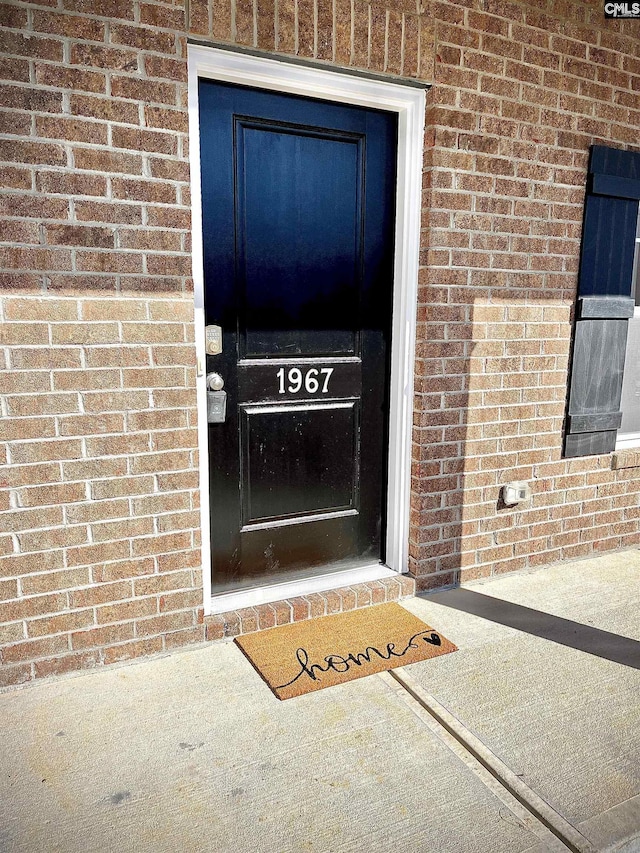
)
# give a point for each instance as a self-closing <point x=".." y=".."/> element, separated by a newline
<point x="215" y="382"/>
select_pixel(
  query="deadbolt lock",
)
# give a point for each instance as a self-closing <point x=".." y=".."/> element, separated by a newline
<point x="213" y="340"/>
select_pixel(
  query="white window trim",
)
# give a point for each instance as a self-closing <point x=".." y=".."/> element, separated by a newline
<point x="409" y="103"/>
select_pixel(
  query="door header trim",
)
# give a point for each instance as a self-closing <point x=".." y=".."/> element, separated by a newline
<point x="247" y="69"/>
<point x="408" y="101"/>
<point x="311" y="63"/>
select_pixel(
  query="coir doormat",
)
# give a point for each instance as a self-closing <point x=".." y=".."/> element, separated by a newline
<point x="296" y="659"/>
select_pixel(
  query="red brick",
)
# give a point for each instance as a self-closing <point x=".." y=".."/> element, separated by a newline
<point x="149" y="333"/>
<point x="73" y="26"/>
<point x="576" y="84"/>
<point x="392" y="590"/>
<point x="37" y="258"/>
<point x="169" y="217"/>
<point x="32" y="206"/>
<point x="136" y="190"/>
<point x="15" y="124"/>
<point x="266" y="616"/>
<point x="19" y="44"/>
<point x="12" y="17"/>
<point x="40" y="451"/>
<point x="32" y="152"/>
<point x="108" y="109"/>
<point x="104" y="57"/>
<point x="89" y="554"/>
<point x="317" y="605"/>
<point x="31" y="649"/>
<point x="377" y="592"/>
<point x="121" y="487"/>
<point x="248" y="620"/>
<point x="116" y="356"/>
<point x="164" y="462"/>
<point x="6" y="547"/>
<point x="118" y="9"/>
<point x="16" y="178"/>
<point x="70" y="129"/>
<point x="94" y="333"/>
<point x="174" y="439"/>
<point x="191" y="598"/>
<point x="23" y="333"/>
<point x="162" y="583"/>
<point x="8" y="589"/>
<point x="76" y="380"/>
<point x="107" y="161"/>
<point x="111" y="262"/>
<point x="67" y="183"/>
<point x="144" y="140"/>
<point x="55" y="494"/>
<point x="127" y="651"/>
<point x="348" y="598"/>
<point x="17" y="520"/>
<point x="159" y="285"/>
<point x="127" y="610"/>
<point x="161" y="16"/>
<point x="107" y="531"/>
<point x="61" y="622"/>
<point x="214" y="627"/>
<point x="300" y="609"/>
<point x="13" y="675"/>
<point x="76" y="235"/>
<point x="363" y="595"/>
<point x="175" y="265"/>
<point x="283" y="611"/>
<point x="146" y="91"/>
<point x="164" y="624"/>
<point x="266" y="29"/>
<point x="160" y="543"/>
<point x="120" y="570"/>
<point x="55" y="581"/>
<point x="188" y="636"/>
<point x="28" y="607"/>
<point x="179" y="560"/>
<point x="50" y="539"/>
<point x="68" y="663"/>
<point x="75" y="79"/>
<point x="167" y="119"/>
<point x="169" y="169"/>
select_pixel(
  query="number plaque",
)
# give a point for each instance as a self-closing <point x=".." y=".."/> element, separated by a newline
<point x="299" y="381"/>
<point x="314" y="380"/>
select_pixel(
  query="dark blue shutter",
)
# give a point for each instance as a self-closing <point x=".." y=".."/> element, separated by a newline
<point x="605" y="301"/>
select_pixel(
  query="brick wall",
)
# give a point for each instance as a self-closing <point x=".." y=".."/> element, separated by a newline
<point x="522" y="90"/>
<point x="99" y="529"/>
<point x="99" y="525"/>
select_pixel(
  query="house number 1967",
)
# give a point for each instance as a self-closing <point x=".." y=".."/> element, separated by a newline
<point x="311" y="380"/>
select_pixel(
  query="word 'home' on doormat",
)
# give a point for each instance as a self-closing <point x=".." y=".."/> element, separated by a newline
<point x="296" y="659"/>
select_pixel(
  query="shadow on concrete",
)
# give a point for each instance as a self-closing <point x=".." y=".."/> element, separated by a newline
<point x="576" y="635"/>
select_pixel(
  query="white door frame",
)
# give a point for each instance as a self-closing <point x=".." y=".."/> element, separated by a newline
<point x="409" y="103"/>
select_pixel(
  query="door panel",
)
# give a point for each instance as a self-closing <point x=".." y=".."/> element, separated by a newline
<point x="300" y="238"/>
<point x="298" y="220"/>
<point x="299" y="460"/>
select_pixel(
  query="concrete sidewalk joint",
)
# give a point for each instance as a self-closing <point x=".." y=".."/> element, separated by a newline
<point x="562" y="829"/>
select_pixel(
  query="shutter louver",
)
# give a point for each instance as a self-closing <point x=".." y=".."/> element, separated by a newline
<point x="605" y="301"/>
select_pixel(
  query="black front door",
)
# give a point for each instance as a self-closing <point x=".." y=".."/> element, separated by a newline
<point x="298" y="223"/>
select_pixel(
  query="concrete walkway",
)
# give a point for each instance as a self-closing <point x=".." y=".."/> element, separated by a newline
<point x="525" y="740"/>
